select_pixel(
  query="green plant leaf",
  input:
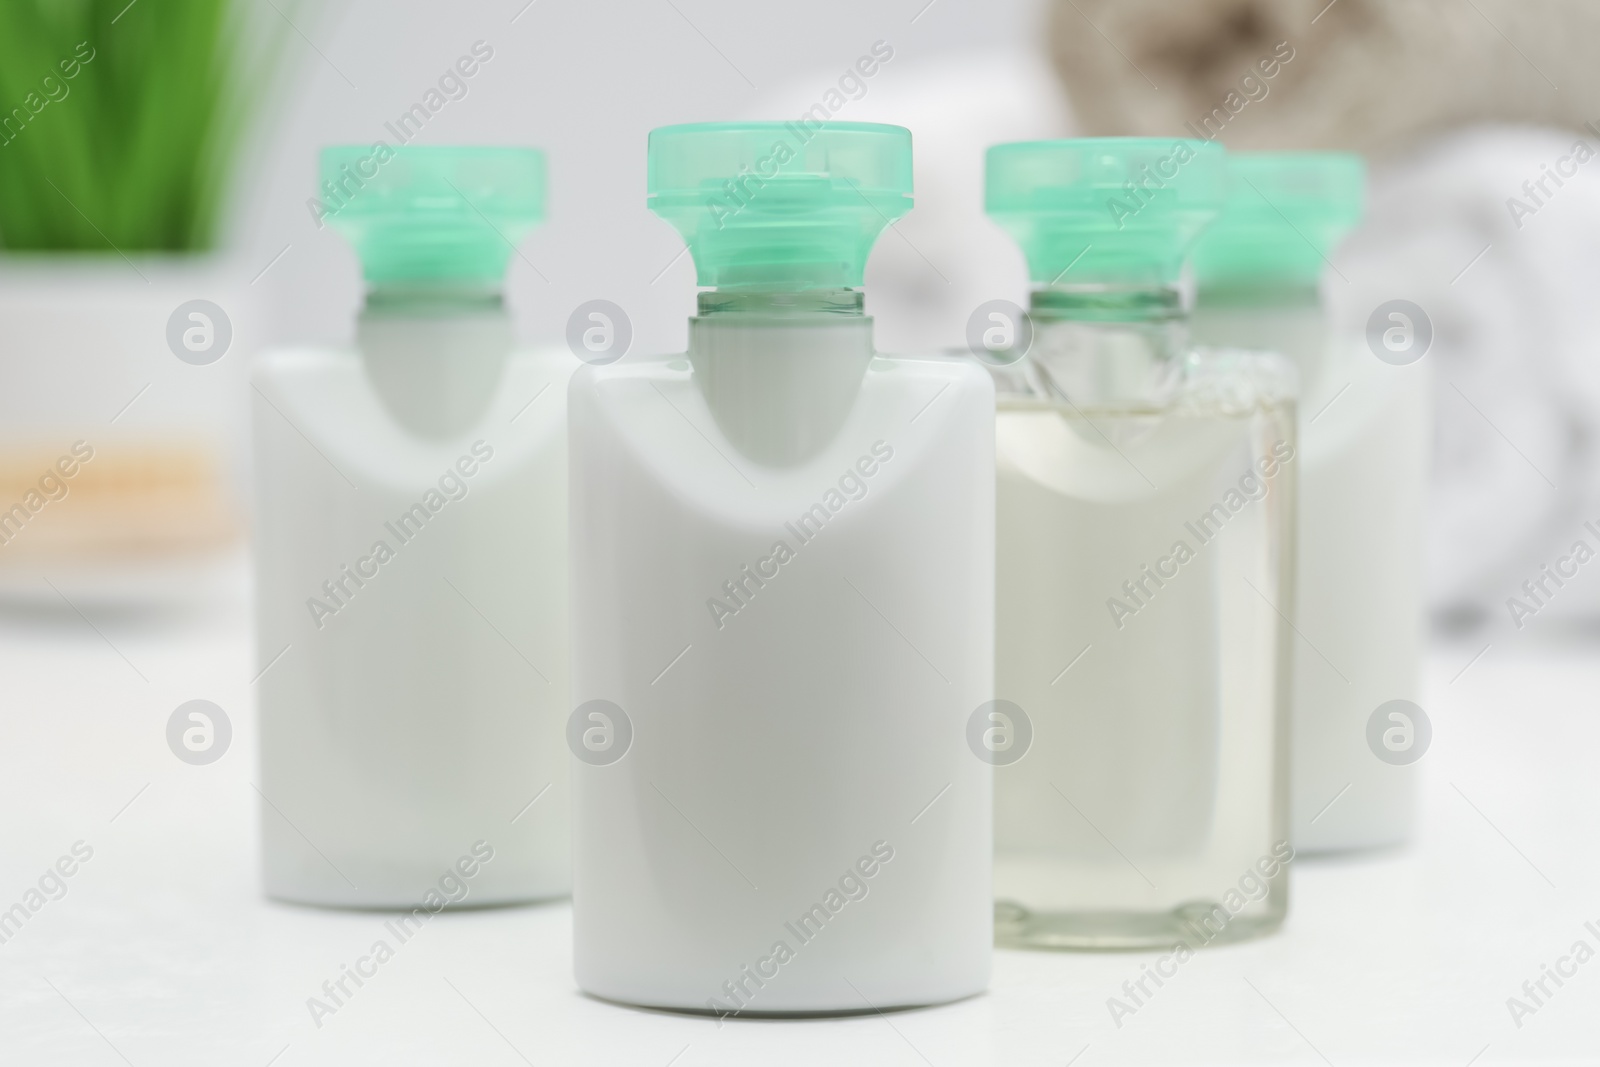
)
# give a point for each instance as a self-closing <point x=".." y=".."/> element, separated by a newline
<point x="122" y="124"/>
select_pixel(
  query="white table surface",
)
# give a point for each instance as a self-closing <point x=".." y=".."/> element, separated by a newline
<point x="163" y="951"/>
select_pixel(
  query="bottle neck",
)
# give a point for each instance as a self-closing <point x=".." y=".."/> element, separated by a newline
<point x="780" y="369"/>
<point x="1103" y="345"/>
<point x="434" y="354"/>
<point x="782" y="303"/>
<point x="1287" y="318"/>
<point x="435" y="299"/>
<point x="1260" y="293"/>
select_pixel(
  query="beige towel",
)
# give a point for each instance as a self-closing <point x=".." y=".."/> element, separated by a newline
<point x="1368" y="75"/>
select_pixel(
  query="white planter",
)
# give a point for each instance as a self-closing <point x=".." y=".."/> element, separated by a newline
<point x="84" y="357"/>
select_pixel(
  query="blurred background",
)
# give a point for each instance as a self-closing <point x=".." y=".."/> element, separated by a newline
<point x="157" y="162"/>
<point x="176" y="163"/>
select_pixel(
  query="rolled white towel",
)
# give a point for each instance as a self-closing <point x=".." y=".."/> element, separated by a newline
<point x="1516" y="381"/>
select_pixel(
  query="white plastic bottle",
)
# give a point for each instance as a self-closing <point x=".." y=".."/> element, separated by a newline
<point x="1364" y="427"/>
<point x="411" y="559"/>
<point x="782" y="612"/>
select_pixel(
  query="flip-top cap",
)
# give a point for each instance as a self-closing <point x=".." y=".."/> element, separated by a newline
<point x="434" y="214"/>
<point x="786" y="205"/>
<point x="1285" y="213"/>
<point x="1110" y="210"/>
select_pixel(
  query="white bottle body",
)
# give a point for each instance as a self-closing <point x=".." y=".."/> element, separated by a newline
<point x="805" y="751"/>
<point x="1365" y="428"/>
<point x="420" y="708"/>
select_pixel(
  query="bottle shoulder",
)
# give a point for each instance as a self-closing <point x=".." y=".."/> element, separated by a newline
<point x="327" y="397"/>
<point x="1238" y="378"/>
<point x="934" y="415"/>
<point x="884" y="370"/>
<point x="1199" y="380"/>
<point x="290" y="361"/>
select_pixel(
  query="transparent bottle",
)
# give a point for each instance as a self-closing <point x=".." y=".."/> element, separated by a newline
<point x="1145" y="523"/>
<point x="411" y="559"/>
<point x="782" y="589"/>
<point x="1364" y="430"/>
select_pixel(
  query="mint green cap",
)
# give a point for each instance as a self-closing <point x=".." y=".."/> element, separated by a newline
<point x="1285" y="213"/>
<point x="788" y="205"/>
<point x="434" y="214"/>
<point x="1109" y="210"/>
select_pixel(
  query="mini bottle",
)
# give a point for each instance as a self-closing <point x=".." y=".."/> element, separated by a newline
<point x="782" y="591"/>
<point x="411" y="558"/>
<point x="1145" y="511"/>
<point x="1364" y="432"/>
